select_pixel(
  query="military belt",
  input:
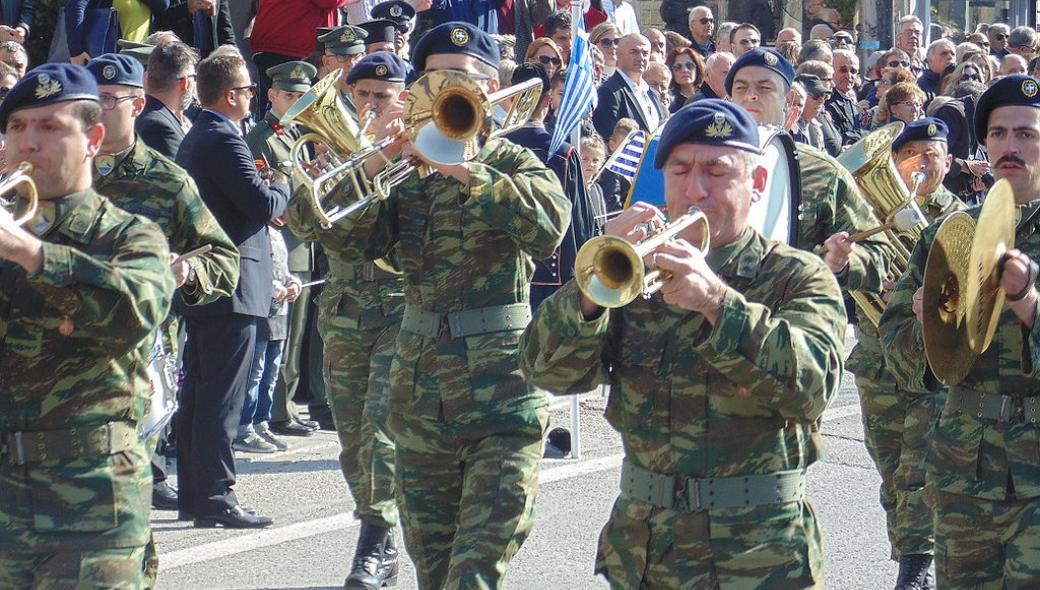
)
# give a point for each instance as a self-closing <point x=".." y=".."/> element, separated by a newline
<point x="994" y="406"/>
<point x="33" y="446"/>
<point x="691" y="494"/>
<point x="469" y="322"/>
<point x="366" y="272"/>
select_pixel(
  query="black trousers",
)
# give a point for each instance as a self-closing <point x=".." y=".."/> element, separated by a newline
<point x="217" y="356"/>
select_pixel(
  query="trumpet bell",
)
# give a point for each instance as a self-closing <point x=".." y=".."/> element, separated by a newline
<point x="23" y="209"/>
<point x="612" y="274"/>
<point x="448" y="115"/>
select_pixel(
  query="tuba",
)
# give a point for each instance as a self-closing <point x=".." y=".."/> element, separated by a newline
<point x="22" y="175"/>
<point x="870" y="162"/>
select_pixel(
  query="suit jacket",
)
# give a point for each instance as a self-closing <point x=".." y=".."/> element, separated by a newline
<point x="223" y="168"/>
<point x="218" y="27"/>
<point x="617" y="101"/>
<point x="159" y="128"/>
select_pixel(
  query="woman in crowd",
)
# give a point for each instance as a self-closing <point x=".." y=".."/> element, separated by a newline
<point x="967" y="71"/>
<point x="606" y="37"/>
<point x="687" y="75"/>
<point x="889" y="78"/>
<point x="903" y="102"/>
<point x="546" y="52"/>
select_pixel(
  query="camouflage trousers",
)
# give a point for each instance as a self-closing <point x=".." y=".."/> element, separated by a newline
<point x="984" y="544"/>
<point x="776" y="546"/>
<point x="98" y="568"/>
<point x="466" y="494"/>
<point x="897" y="428"/>
<point x="357" y="367"/>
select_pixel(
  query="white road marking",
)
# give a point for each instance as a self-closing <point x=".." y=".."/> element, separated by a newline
<point x="346" y="521"/>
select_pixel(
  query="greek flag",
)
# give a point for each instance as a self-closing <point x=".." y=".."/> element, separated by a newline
<point x="579" y="93"/>
<point x="626" y="160"/>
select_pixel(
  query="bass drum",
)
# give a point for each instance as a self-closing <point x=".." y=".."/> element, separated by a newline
<point x="775" y="213"/>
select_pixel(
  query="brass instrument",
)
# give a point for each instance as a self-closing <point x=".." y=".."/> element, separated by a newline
<point x="610" y="271"/>
<point x="870" y="162"/>
<point x="962" y="299"/>
<point x="22" y="175"/>
<point x="448" y="118"/>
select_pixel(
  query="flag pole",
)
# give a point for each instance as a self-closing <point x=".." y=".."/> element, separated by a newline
<point x="576" y="16"/>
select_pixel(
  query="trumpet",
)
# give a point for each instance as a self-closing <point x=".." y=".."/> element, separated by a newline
<point x="610" y="271"/>
<point x="21" y="175"/>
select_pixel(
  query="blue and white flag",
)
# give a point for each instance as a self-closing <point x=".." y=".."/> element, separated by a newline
<point x="579" y="91"/>
<point x="625" y="161"/>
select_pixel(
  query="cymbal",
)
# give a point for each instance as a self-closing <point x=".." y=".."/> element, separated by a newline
<point x="994" y="235"/>
<point x="945" y="301"/>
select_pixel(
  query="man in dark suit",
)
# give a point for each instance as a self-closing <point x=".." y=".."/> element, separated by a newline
<point x="203" y="24"/>
<point x="626" y="94"/>
<point x="221" y="335"/>
<point x="169" y="89"/>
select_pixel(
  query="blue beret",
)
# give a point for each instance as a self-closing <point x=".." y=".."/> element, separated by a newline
<point x="1016" y="90"/>
<point x="115" y="68"/>
<point x="764" y="57"/>
<point x="379" y="31"/>
<point x="926" y="129"/>
<point x="456" y="37"/>
<point x="398" y="11"/>
<point x="46" y="85"/>
<point x="380" y="65"/>
<point x="710" y="122"/>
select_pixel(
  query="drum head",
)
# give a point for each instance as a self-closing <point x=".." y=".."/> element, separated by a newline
<point x="774" y="214"/>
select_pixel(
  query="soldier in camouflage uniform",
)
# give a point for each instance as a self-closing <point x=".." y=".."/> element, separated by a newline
<point x="468" y="428"/>
<point x="80" y="292"/>
<point x="140" y="180"/>
<point x="713" y="383"/>
<point x="897" y="425"/>
<point x="359" y="314"/>
<point x="983" y="468"/>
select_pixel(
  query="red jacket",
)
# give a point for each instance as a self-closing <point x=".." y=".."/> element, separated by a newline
<point x="288" y="27"/>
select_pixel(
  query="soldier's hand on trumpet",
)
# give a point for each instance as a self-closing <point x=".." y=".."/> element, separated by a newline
<point x="836" y="251"/>
<point x="635" y="223"/>
<point x="389" y="123"/>
<point x="692" y="284"/>
<point x="1018" y="280"/>
<point x="18" y="245"/>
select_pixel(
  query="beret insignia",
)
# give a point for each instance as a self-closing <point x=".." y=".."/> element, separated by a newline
<point x="1029" y="88"/>
<point x="770" y="59"/>
<point x="109" y="72"/>
<point x="719" y="127"/>
<point x="932" y="130"/>
<point x="396" y="11"/>
<point x="381" y="70"/>
<point x="460" y="36"/>
<point x="46" y="87"/>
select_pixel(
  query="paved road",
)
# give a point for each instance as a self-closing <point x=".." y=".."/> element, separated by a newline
<point x="312" y="542"/>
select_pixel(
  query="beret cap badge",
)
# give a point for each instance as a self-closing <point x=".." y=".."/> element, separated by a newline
<point x="770" y="59"/>
<point x="109" y="72"/>
<point x="1030" y="88"/>
<point x="459" y="36"/>
<point x="719" y="127"/>
<point x="396" y="11"/>
<point x="46" y="87"/>
<point x="932" y="130"/>
<point x="381" y="70"/>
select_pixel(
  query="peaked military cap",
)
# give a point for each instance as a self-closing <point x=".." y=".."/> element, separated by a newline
<point x="46" y="85"/>
<point x="926" y="129"/>
<point x="139" y="51"/>
<point x="294" y="76"/>
<point x="380" y="65"/>
<point x="115" y="68"/>
<point x="764" y="57"/>
<point x="1016" y="90"/>
<point x="398" y="11"/>
<point x="710" y="122"/>
<point x="456" y="37"/>
<point x="380" y="31"/>
<point x="812" y="83"/>
<point x="345" y="40"/>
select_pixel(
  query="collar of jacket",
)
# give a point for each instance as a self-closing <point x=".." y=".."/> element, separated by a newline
<point x="742" y="257"/>
<point x="76" y="215"/>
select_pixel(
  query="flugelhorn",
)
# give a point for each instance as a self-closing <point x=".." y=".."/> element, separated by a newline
<point x="448" y="118"/>
<point x="610" y="271"/>
<point x="22" y="175"/>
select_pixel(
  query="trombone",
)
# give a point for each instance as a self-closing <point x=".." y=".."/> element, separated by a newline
<point x="610" y="271"/>
<point x="21" y="175"/>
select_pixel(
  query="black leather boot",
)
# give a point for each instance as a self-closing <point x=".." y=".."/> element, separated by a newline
<point x="914" y="574"/>
<point x="388" y="571"/>
<point x="367" y="572"/>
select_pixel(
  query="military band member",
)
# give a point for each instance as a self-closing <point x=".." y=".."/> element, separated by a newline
<point x="983" y="468"/>
<point x="897" y="424"/>
<point x="82" y="287"/>
<point x="468" y="428"/>
<point x="359" y="314"/>
<point x="403" y="16"/>
<point x="713" y="382"/>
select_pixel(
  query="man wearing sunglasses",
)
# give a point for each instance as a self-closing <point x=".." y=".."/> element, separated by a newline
<point x="744" y="38"/>
<point x="222" y="334"/>
<point x="1022" y="42"/>
<point x="702" y="25"/>
<point x="998" y="36"/>
<point x="841" y="104"/>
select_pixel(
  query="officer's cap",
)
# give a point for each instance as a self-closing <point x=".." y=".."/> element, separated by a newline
<point x="457" y="37"/>
<point x="763" y="57"/>
<point x="49" y="84"/>
<point x="709" y="122"/>
<point x="926" y="129"/>
<point x="293" y="76"/>
<point x="398" y="11"/>
<point x="380" y="65"/>
<point x="380" y="31"/>
<point x="1016" y="90"/>
<point x="115" y="68"/>
<point x="345" y="40"/>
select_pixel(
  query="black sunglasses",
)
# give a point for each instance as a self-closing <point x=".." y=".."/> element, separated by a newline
<point x="546" y="60"/>
<point x="250" y="89"/>
<point x="899" y="64"/>
<point x="705" y="20"/>
<point x="614" y="41"/>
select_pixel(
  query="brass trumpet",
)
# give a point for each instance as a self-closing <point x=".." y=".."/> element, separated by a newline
<point x="21" y="175"/>
<point x="610" y="271"/>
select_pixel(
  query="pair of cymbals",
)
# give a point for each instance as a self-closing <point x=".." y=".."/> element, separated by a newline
<point x="962" y="298"/>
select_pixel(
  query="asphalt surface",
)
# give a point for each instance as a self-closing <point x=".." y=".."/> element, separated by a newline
<point x="313" y="540"/>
